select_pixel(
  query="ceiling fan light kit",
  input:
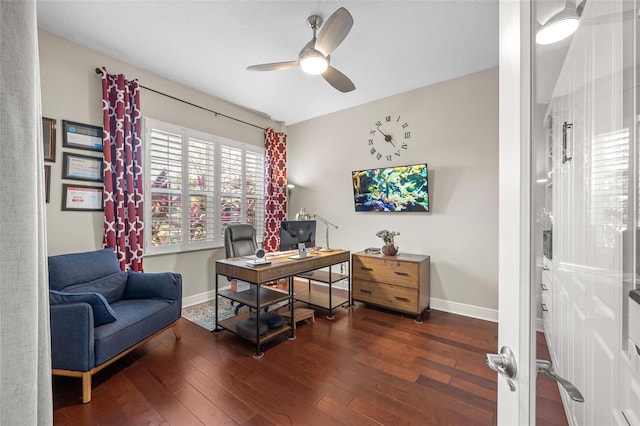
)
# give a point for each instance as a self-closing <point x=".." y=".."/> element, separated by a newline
<point x="313" y="62"/>
<point x="314" y="56"/>
<point x="559" y="27"/>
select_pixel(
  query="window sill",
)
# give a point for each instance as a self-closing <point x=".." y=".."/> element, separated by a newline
<point x="181" y="251"/>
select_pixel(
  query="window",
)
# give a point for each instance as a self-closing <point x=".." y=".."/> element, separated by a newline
<point x="223" y="181"/>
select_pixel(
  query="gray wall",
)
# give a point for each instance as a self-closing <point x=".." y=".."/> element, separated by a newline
<point x="454" y="128"/>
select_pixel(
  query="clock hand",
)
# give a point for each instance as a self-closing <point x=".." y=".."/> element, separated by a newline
<point x="391" y="142"/>
<point x="387" y="138"/>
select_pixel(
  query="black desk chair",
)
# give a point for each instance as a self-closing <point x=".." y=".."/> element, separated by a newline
<point x="239" y="240"/>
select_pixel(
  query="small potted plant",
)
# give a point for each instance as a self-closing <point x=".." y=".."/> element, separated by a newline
<point x="389" y="248"/>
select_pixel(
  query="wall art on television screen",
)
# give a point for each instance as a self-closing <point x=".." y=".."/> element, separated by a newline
<point x="392" y="189"/>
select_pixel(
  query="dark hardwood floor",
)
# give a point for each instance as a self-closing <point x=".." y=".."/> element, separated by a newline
<point x="367" y="366"/>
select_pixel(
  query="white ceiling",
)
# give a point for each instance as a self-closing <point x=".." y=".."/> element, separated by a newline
<point x="393" y="47"/>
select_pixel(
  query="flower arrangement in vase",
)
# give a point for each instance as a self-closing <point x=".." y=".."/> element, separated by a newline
<point x="389" y="248"/>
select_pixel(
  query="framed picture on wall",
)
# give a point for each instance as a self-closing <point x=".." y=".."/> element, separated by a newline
<point x="47" y="183"/>
<point x="81" y="167"/>
<point x="81" y="198"/>
<point x="81" y="136"/>
<point x="49" y="138"/>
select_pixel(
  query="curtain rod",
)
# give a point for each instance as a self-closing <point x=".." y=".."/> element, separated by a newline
<point x="99" y="71"/>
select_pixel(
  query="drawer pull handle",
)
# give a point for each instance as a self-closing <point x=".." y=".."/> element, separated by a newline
<point x="404" y="274"/>
<point x="544" y="308"/>
<point x="366" y="269"/>
<point x="545" y="268"/>
<point x="365" y="291"/>
<point x="402" y="299"/>
<point x="544" y="287"/>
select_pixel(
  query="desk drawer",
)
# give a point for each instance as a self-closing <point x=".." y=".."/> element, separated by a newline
<point x="392" y="296"/>
<point x="384" y="270"/>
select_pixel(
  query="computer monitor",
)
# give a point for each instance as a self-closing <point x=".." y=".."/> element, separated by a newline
<point x="293" y="232"/>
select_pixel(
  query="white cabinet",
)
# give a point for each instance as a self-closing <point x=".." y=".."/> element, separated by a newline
<point x="546" y="289"/>
<point x="583" y="325"/>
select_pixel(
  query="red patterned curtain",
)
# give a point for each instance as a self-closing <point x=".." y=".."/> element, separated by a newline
<point x="123" y="179"/>
<point x="275" y="146"/>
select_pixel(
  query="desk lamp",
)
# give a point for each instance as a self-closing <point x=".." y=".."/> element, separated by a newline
<point x="327" y="223"/>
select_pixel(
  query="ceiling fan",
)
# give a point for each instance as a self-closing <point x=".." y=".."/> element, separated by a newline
<point x="314" y="57"/>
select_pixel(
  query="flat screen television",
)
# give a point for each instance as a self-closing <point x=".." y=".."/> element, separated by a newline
<point x="293" y="232"/>
<point x="392" y="189"/>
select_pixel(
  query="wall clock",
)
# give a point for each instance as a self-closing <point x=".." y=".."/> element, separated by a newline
<point x="389" y="138"/>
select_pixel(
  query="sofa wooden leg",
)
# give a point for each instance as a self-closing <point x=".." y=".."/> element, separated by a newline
<point x="86" y="387"/>
<point x="176" y="330"/>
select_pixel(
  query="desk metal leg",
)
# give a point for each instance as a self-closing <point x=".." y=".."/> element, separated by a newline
<point x="330" y="316"/>
<point x="259" y="353"/>
<point x="292" y="335"/>
<point x="349" y="295"/>
<point x="216" y="329"/>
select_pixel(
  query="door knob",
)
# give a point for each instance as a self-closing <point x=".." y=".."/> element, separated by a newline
<point x="504" y="364"/>
<point x="543" y="366"/>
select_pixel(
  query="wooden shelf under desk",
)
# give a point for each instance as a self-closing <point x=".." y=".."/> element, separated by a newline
<point x="323" y="299"/>
<point x="230" y="325"/>
<point x="248" y="297"/>
<point x="323" y="276"/>
<point x="320" y="299"/>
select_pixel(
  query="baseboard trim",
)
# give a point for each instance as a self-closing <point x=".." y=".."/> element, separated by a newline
<point x="437" y="304"/>
<point x="200" y="298"/>
<point x="463" y="309"/>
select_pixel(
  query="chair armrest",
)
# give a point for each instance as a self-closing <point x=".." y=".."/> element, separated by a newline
<point x="161" y="285"/>
<point x="72" y="338"/>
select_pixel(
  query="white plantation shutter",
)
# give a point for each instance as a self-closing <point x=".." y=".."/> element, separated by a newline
<point x="231" y="184"/>
<point x="201" y="183"/>
<point x="242" y="187"/>
<point x="254" y="190"/>
<point x="198" y="184"/>
<point x="165" y="176"/>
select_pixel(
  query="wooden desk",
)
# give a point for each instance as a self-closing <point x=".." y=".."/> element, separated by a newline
<point x="260" y="297"/>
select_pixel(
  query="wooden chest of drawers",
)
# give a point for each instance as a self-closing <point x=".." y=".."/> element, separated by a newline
<point x="400" y="283"/>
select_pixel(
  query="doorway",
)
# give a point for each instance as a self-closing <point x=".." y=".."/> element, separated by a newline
<point x="584" y="198"/>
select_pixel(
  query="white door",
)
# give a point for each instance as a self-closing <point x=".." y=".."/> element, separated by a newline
<point x="595" y="212"/>
<point x="514" y="299"/>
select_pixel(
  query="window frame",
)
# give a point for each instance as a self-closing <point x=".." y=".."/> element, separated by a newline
<point x="186" y="244"/>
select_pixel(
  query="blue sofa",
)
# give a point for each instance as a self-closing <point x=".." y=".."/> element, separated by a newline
<point x="100" y="313"/>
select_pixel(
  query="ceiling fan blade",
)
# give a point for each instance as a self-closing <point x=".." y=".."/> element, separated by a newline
<point x="334" y="31"/>
<point x="338" y="80"/>
<point x="273" y="66"/>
